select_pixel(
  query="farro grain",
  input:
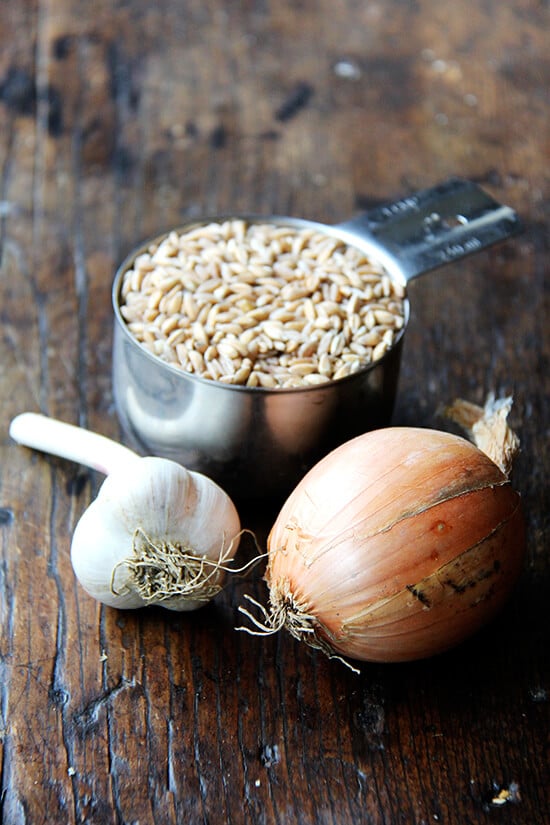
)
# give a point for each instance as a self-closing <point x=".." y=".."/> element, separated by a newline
<point x="241" y="375"/>
<point x="301" y="367"/>
<point x="210" y="353"/>
<point x="149" y="338"/>
<point x="155" y="299"/>
<point x="383" y="316"/>
<point x="169" y="325"/>
<point x="337" y="344"/>
<point x="174" y="303"/>
<point x="308" y="350"/>
<point x="227" y="349"/>
<point x="325" y="365"/>
<point x="176" y="337"/>
<point x="199" y="334"/>
<point x="189" y="306"/>
<point x="265" y="380"/>
<point x="196" y="360"/>
<point x="213" y="369"/>
<point x="315" y="378"/>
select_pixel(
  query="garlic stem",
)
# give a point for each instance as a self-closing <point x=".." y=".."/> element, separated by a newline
<point x="69" y="441"/>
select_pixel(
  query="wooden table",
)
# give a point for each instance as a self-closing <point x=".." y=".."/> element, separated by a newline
<point x="120" y="119"/>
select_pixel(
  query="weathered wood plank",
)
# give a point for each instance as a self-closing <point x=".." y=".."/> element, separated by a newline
<point x="119" y="120"/>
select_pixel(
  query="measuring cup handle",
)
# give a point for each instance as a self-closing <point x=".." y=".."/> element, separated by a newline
<point x="436" y="226"/>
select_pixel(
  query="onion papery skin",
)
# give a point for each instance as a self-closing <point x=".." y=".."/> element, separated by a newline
<point x="396" y="546"/>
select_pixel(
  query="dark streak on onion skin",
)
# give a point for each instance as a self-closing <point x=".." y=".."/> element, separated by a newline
<point x="475" y="597"/>
<point x="419" y="594"/>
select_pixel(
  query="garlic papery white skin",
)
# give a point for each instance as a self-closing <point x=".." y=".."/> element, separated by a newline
<point x="156" y="533"/>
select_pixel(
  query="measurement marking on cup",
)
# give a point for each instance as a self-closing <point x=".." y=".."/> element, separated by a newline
<point x="399" y="207"/>
<point x="456" y="250"/>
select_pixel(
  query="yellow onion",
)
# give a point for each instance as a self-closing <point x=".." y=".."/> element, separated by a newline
<point x="396" y="546"/>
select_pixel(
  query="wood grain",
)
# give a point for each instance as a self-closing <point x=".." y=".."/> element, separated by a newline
<point x="119" y="120"/>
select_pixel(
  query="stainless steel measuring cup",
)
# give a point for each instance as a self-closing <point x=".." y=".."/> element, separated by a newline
<point x="258" y="442"/>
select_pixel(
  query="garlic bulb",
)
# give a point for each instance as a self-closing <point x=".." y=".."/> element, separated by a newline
<point x="156" y="533"/>
<point x="397" y="545"/>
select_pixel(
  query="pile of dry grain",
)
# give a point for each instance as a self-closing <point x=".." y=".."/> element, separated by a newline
<point x="261" y="305"/>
